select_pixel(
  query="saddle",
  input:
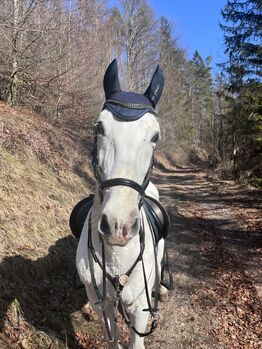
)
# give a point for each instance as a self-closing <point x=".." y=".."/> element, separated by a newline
<point x="156" y="214"/>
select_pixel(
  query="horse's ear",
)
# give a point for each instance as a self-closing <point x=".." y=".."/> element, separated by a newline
<point x="111" y="80"/>
<point x="156" y="86"/>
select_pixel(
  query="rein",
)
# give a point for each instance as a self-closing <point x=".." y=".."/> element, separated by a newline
<point x="120" y="281"/>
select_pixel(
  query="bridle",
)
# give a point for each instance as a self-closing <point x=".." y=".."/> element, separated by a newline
<point x="126" y="182"/>
<point x="115" y="280"/>
<point x="127" y="106"/>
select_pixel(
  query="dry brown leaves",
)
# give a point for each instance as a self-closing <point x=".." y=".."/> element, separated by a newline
<point x="233" y="298"/>
<point x="234" y="301"/>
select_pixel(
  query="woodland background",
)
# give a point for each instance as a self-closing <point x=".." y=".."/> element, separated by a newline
<point x="53" y="55"/>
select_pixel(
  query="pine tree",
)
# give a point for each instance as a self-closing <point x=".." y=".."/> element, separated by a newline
<point x="201" y="94"/>
<point x="177" y="130"/>
<point x="243" y="96"/>
<point x="243" y="38"/>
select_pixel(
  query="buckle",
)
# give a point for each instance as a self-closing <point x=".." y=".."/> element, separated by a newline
<point x="101" y="304"/>
<point x="118" y="294"/>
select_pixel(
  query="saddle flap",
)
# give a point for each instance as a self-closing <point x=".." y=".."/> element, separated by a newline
<point x="79" y="214"/>
<point x="158" y="217"/>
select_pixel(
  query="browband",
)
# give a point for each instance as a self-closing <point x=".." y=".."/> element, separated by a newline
<point x="129" y="105"/>
<point x="128" y="111"/>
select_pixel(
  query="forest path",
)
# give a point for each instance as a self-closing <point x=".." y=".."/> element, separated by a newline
<point x="215" y="248"/>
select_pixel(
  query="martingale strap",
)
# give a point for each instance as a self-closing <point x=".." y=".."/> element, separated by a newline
<point x="115" y="282"/>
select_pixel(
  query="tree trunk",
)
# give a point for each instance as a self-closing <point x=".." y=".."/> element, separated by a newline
<point x="13" y="88"/>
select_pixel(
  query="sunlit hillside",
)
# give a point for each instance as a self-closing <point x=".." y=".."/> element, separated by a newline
<point x="44" y="172"/>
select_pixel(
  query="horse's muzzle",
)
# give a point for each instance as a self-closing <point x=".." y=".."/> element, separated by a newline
<point x="116" y="233"/>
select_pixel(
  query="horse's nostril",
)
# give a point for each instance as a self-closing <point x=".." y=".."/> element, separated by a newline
<point x="128" y="228"/>
<point x="104" y="225"/>
<point x="135" y="225"/>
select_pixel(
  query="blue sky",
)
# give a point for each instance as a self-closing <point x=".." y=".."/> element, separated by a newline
<point x="197" y="25"/>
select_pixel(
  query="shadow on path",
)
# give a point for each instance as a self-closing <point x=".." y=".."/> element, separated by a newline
<point x="45" y="290"/>
<point x="213" y="220"/>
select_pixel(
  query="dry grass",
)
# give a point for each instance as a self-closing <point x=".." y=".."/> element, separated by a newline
<point x="37" y="185"/>
<point x="43" y="173"/>
<point x="35" y="204"/>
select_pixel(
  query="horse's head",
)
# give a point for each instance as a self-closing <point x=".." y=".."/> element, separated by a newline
<point x="126" y="134"/>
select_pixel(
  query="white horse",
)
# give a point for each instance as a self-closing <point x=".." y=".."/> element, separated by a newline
<point x="126" y="134"/>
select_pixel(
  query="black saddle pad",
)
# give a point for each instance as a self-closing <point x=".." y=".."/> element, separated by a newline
<point x="79" y="214"/>
<point x="158" y="218"/>
<point x="156" y="214"/>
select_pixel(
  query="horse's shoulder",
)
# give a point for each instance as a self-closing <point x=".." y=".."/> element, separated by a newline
<point x="152" y="191"/>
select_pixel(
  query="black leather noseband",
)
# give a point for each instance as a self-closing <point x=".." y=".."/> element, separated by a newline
<point x="114" y="182"/>
<point x="126" y="182"/>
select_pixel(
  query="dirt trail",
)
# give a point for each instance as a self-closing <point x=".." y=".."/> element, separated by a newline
<point x="215" y="247"/>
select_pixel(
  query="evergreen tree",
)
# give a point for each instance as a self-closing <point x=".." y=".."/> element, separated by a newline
<point x="174" y="105"/>
<point x="242" y="119"/>
<point x="201" y="94"/>
<point x="243" y="38"/>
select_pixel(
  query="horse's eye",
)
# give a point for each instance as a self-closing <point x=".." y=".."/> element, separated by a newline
<point x="155" y="138"/>
<point x="100" y="129"/>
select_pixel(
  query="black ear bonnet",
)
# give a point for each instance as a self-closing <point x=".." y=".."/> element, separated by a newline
<point x="130" y="105"/>
<point x="111" y="81"/>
